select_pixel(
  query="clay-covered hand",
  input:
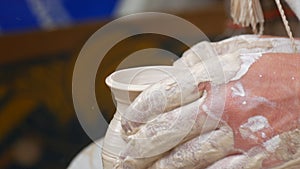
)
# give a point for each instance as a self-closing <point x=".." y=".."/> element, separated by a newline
<point x="232" y="104"/>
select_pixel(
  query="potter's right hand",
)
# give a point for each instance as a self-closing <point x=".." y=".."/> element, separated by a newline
<point x="250" y="108"/>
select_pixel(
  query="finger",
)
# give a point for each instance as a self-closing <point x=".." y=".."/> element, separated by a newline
<point x="135" y="163"/>
<point x="242" y="43"/>
<point x="284" y="149"/>
<point x="251" y="159"/>
<point x="292" y="164"/>
<point x="200" y="151"/>
<point x="198" y="53"/>
<point x="206" y="50"/>
<point x="281" y="151"/>
<point x="239" y="161"/>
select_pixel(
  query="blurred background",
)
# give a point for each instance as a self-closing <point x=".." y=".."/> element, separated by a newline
<point x="39" y="43"/>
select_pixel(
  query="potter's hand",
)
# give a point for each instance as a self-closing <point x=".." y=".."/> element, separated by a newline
<point x="250" y="109"/>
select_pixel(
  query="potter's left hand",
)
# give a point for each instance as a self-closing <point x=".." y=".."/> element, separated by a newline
<point x="241" y="97"/>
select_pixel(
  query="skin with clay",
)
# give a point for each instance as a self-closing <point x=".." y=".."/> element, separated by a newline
<point x="234" y="105"/>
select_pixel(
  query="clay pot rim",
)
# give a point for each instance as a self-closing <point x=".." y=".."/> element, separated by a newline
<point x="132" y="87"/>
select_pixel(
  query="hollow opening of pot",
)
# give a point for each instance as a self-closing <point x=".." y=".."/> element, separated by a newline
<point x="137" y="79"/>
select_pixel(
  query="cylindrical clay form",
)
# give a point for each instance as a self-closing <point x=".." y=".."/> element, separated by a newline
<point x="126" y="85"/>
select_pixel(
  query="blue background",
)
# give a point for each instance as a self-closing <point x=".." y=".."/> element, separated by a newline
<point x="15" y="15"/>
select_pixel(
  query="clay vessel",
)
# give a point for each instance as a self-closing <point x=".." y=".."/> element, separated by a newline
<point x="126" y="85"/>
